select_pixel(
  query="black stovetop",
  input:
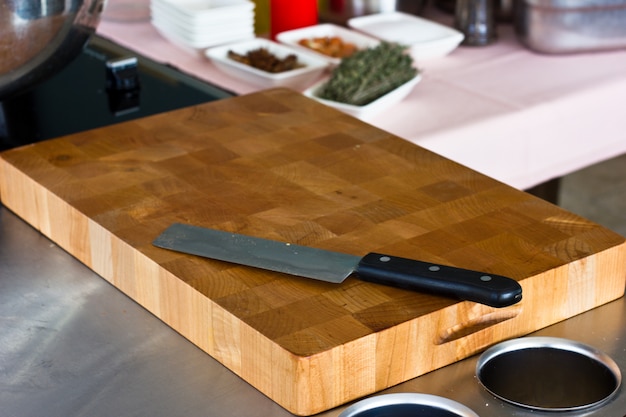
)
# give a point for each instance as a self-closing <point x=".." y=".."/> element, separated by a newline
<point x="82" y="96"/>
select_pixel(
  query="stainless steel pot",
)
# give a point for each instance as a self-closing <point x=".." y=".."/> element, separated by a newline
<point x="39" y="37"/>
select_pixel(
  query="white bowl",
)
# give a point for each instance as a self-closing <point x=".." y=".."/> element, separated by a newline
<point x="426" y="39"/>
<point x="376" y="106"/>
<point x="197" y="43"/>
<point x="292" y="37"/>
<point x="204" y="11"/>
<point x="211" y="24"/>
<point x="204" y="35"/>
<point x="297" y="78"/>
<point x="195" y="25"/>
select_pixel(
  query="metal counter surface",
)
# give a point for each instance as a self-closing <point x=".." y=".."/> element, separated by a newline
<point x="73" y="345"/>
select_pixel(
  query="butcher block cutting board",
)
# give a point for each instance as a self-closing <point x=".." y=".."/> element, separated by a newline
<point x="278" y="165"/>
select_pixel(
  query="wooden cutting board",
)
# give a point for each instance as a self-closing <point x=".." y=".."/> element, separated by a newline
<point x="277" y="165"/>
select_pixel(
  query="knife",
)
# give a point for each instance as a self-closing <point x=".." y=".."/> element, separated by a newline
<point x="490" y="289"/>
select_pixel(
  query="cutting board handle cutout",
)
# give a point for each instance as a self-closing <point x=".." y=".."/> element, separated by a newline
<point x="477" y="324"/>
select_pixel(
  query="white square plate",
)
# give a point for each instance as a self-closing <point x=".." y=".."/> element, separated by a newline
<point x="297" y="79"/>
<point x="376" y="106"/>
<point x="212" y="23"/>
<point x="426" y="39"/>
<point x="203" y="33"/>
<point x="292" y="37"/>
<point x="204" y="11"/>
<point x="196" y="43"/>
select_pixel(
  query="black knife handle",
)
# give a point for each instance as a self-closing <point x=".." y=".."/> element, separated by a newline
<point x="492" y="290"/>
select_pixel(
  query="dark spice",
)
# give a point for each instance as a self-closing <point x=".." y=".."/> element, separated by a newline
<point x="369" y="74"/>
<point x="264" y="60"/>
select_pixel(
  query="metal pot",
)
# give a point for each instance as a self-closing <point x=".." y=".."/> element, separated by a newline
<point x="40" y="37"/>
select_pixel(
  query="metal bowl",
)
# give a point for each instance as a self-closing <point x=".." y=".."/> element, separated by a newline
<point x="340" y="12"/>
<point x="363" y="7"/>
<point x="548" y="373"/>
<point x="40" y="37"/>
<point x="407" y="405"/>
<point x="566" y="26"/>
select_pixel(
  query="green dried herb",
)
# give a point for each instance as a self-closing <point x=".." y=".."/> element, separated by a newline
<point x="369" y="74"/>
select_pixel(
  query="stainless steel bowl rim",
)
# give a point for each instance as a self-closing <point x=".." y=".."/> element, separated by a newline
<point x="385" y="400"/>
<point x="577" y="5"/>
<point x="574" y="346"/>
<point x="55" y="32"/>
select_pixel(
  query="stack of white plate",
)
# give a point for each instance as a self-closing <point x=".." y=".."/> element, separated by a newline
<point x="200" y="24"/>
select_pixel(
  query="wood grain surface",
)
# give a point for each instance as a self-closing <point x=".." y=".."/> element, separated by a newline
<point x="277" y="165"/>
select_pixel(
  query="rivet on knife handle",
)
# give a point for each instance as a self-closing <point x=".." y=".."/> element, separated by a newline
<point x="490" y="289"/>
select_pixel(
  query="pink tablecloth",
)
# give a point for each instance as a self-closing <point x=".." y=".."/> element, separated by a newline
<point x="517" y="116"/>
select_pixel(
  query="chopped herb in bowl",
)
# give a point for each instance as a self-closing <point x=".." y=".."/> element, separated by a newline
<point x="369" y="74"/>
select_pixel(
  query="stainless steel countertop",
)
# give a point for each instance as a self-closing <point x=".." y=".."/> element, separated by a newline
<point x="73" y="345"/>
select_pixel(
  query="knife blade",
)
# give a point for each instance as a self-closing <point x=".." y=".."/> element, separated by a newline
<point x="490" y="289"/>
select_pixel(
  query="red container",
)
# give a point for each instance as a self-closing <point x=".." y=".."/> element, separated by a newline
<point x="291" y="14"/>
